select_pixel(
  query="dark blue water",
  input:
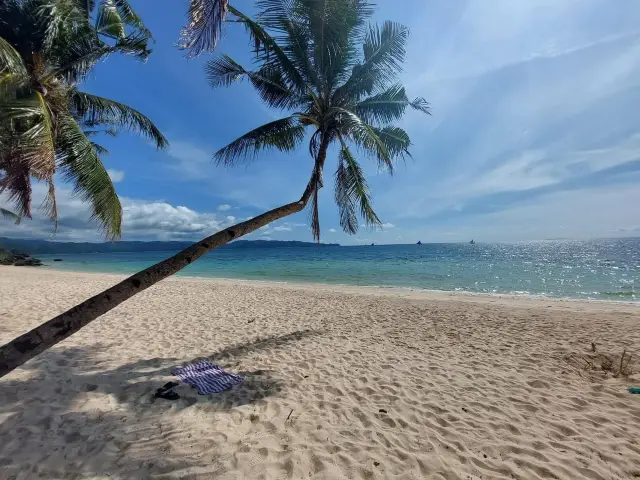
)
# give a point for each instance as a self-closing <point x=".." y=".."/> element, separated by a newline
<point x="598" y="269"/>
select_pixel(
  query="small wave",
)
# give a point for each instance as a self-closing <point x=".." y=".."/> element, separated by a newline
<point x="618" y="294"/>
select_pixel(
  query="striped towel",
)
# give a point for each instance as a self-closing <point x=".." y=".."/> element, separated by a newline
<point x="207" y="377"/>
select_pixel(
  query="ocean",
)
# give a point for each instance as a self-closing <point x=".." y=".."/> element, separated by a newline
<point x="598" y="269"/>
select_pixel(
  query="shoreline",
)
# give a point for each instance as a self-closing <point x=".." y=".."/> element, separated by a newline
<point x="374" y="290"/>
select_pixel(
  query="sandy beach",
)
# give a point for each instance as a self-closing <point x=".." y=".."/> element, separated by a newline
<point x="340" y="383"/>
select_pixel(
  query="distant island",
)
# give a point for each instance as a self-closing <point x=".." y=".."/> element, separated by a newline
<point x="44" y="247"/>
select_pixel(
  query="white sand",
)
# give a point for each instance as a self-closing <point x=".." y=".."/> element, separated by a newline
<point x="471" y="386"/>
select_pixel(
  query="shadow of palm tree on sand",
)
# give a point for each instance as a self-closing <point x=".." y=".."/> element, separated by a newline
<point x="66" y="416"/>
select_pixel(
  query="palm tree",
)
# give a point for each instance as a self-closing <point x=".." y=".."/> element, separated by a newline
<point x="336" y="79"/>
<point x="47" y="48"/>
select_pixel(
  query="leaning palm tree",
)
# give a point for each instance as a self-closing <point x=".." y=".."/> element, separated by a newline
<point x="335" y="80"/>
<point x="47" y="48"/>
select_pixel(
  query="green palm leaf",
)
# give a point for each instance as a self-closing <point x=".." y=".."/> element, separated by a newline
<point x="283" y="135"/>
<point x="352" y="192"/>
<point x="49" y="205"/>
<point x="388" y="106"/>
<point x="366" y="137"/>
<point x="16" y="185"/>
<point x="80" y="164"/>
<point x="97" y="110"/>
<point x="109" y="21"/>
<point x="205" y="25"/>
<point x="36" y="144"/>
<point x="130" y="18"/>
<point x="100" y="150"/>
<point x="10" y="60"/>
<point x="395" y="140"/>
<point x="87" y="50"/>
<point x="268" y="81"/>
<point x="383" y="55"/>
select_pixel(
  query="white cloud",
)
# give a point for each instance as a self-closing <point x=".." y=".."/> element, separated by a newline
<point x="192" y="161"/>
<point x="282" y="228"/>
<point x="161" y="220"/>
<point x="512" y="109"/>
<point x="332" y="230"/>
<point x="116" y="176"/>
<point x="230" y="218"/>
<point x="142" y="219"/>
<point x="482" y="36"/>
<point x="224" y="207"/>
<point x="581" y="213"/>
<point x="388" y="226"/>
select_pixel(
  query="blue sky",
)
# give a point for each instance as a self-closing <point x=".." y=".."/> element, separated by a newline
<point x="535" y="132"/>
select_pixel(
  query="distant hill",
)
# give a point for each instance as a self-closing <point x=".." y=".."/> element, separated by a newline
<point x="34" y="247"/>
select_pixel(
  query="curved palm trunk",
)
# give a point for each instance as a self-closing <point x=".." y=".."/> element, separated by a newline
<point x="46" y="335"/>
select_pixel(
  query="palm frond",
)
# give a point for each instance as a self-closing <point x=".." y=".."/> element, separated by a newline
<point x="366" y="137"/>
<point x="38" y="143"/>
<point x="383" y="52"/>
<point x="86" y="50"/>
<point x="293" y="56"/>
<point x="395" y="140"/>
<point x="108" y="20"/>
<point x="97" y="110"/>
<point x="388" y="106"/>
<point x="202" y="33"/>
<point x="135" y="45"/>
<point x="421" y="105"/>
<point x="335" y="27"/>
<point x="49" y="205"/>
<point x="10" y="60"/>
<point x="91" y="132"/>
<point x="35" y="144"/>
<point x="81" y="165"/>
<point x="100" y="150"/>
<point x="59" y="17"/>
<point x="16" y="185"/>
<point x="9" y="215"/>
<point x="10" y="85"/>
<point x="352" y="192"/>
<point x="79" y="57"/>
<point x="268" y="81"/>
<point x="130" y="18"/>
<point x="284" y="135"/>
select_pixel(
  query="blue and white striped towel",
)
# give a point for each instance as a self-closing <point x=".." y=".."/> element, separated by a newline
<point x="207" y="377"/>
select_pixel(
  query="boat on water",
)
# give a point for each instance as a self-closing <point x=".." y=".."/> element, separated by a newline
<point x="419" y="243"/>
<point x="472" y="242"/>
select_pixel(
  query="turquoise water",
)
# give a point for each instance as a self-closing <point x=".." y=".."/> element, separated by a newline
<point x="599" y="269"/>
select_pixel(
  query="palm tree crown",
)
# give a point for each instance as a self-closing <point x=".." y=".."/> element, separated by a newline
<point x="321" y="63"/>
<point x="47" y="47"/>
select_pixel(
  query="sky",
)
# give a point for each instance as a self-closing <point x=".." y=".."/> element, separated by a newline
<point x="534" y="133"/>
